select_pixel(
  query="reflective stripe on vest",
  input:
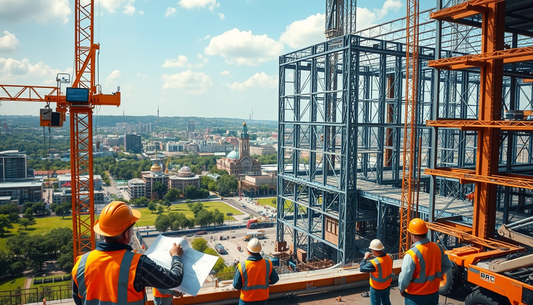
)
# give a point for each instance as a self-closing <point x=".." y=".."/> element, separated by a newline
<point x="122" y="284"/>
<point x="383" y="278"/>
<point x="158" y="294"/>
<point x="254" y="286"/>
<point x="423" y="283"/>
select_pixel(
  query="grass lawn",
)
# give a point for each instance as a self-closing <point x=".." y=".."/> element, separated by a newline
<point x="267" y="201"/>
<point x="42" y="225"/>
<point x="49" y="284"/>
<point x="148" y="219"/>
<point x="12" y="284"/>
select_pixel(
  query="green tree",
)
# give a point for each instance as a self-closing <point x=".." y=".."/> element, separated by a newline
<point x="227" y="185"/>
<point x="160" y="189"/>
<point x="160" y="209"/>
<point x="195" y="207"/>
<point x="25" y="222"/>
<point x="151" y="207"/>
<point x="39" y="208"/>
<point x="28" y="213"/>
<point x="218" y="217"/>
<point x="199" y="244"/>
<point x="264" y="189"/>
<point x="173" y="194"/>
<point x="204" y="218"/>
<point x="162" y="223"/>
<point x="5" y="224"/>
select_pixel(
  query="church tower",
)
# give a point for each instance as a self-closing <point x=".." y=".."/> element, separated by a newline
<point x="244" y="143"/>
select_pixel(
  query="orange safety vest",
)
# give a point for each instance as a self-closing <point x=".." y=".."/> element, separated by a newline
<point x="255" y="280"/>
<point x="107" y="278"/>
<point x="158" y="294"/>
<point x="428" y="268"/>
<point x="382" y="277"/>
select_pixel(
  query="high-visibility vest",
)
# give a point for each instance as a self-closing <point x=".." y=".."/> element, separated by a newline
<point x="255" y="280"/>
<point x="106" y="277"/>
<point x="382" y="277"/>
<point x="428" y="271"/>
<point x="158" y="294"/>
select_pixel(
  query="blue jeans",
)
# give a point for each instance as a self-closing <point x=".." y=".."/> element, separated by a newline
<point x="428" y="299"/>
<point x="379" y="297"/>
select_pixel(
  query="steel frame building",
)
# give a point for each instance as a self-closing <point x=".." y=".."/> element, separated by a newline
<point x="341" y="107"/>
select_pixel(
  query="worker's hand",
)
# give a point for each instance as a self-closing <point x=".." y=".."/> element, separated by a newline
<point x="368" y="255"/>
<point x="177" y="294"/>
<point x="176" y="250"/>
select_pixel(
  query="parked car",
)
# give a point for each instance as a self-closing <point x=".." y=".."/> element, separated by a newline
<point x="201" y="233"/>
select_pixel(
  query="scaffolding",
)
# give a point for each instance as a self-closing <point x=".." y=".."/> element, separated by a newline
<point x="341" y="108"/>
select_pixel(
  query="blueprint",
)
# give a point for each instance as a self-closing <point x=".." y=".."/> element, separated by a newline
<point x="196" y="265"/>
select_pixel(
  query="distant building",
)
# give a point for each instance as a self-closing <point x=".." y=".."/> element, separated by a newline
<point x="259" y="185"/>
<point x="184" y="177"/>
<point x="151" y="178"/>
<point x="132" y="142"/>
<point x="13" y="166"/>
<point x="65" y="181"/>
<point x="262" y="150"/>
<point x="238" y="163"/>
<point x="65" y="195"/>
<point x="22" y="191"/>
<point x="136" y="188"/>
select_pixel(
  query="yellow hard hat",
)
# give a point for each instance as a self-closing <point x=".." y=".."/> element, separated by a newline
<point x="376" y="245"/>
<point x="417" y="226"/>
<point x="115" y="218"/>
<point x="254" y="245"/>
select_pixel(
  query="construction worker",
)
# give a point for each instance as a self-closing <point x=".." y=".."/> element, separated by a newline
<point x="380" y="269"/>
<point x="254" y="276"/>
<point x="164" y="296"/>
<point x="422" y="267"/>
<point x="112" y="273"/>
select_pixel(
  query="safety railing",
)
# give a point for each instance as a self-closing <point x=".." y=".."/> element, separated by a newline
<point x="36" y="295"/>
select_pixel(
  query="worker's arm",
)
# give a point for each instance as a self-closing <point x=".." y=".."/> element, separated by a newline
<point x="365" y="265"/>
<point x="75" y="296"/>
<point x="237" y="280"/>
<point x="446" y="264"/>
<point x="149" y="273"/>
<point x="406" y="275"/>
<point x="274" y="277"/>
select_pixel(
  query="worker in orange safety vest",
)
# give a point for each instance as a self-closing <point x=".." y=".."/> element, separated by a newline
<point x="112" y="273"/>
<point x="164" y="296"/>
<point x="422" y="267"/>
<point x="380" y="269"/>
<point x="254" y="276"/>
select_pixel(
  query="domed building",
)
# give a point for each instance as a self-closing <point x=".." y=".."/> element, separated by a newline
<point x="239" y="162"/>
<point x="156" y="174"/>
<point x="184" y="177"/>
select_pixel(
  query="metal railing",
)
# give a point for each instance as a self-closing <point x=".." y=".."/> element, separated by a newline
<point x="36" y="295"/>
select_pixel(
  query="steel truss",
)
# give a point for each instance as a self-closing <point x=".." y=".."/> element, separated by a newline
<point x="341" y="106"/>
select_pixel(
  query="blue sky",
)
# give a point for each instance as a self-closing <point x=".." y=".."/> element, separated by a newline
<point x="206" y="58"/>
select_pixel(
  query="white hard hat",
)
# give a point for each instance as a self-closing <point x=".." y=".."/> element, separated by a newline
<point x="376" y="245"/>
<point x="254" y="245"/>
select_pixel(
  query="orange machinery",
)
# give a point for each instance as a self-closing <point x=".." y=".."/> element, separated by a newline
<point x="80" y="111"/>
<point x="480" y="263"/>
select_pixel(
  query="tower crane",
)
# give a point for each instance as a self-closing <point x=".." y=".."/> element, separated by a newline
<point x="79" y="101"/>
<point x="409" y="184"/>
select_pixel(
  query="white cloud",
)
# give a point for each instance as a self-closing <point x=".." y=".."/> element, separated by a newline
<point x="305" y="32"/>
<point x="243" y="48"/>
<point x="13" y="71"/>
<point x="258" y="80"/>
<point x="207" y="37"/>
<point x="8" y="42"/>
<point x="111" y="79"/>
<point x="113" y="5"/>
<point x="129" y="9"/>
<point x="181" y="61"/>
<point x="225" y="72"/>
<point x="389" y="5"/>
<point x="171" y="11"/>
<point x="194" y="83"/>
<point x="139" y="74"/>
<point x="190" y="4"/>
<point x="365" y="18"/>
<point x="222" y="17"/>
<point x="40" y="11"/>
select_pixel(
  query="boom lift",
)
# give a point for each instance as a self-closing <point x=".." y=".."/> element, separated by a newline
<point x="79" y="102"/>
